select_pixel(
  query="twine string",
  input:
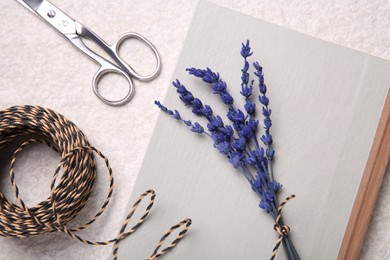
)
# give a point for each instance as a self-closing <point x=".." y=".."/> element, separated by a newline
<point x="157" y="253"/>
<point x="282" y="230"/>
<point x="70" y="191"/>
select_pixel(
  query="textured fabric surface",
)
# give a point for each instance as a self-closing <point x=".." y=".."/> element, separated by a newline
<point x="37" y="66"/>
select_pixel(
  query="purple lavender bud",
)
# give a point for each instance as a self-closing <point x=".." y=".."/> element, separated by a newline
<point x="179" y="87"/>
<point x="227" y="98"/>
<point x="223" y="147"/>
<point x="211" y="127"/>
<point x="259" y="69"/>
<point x="191" y="71"/>
<point x="265" y="162"/>
<point x="267" y="139"/>
<point x="219" y="137"/>
<point x="229" y="131"/>
<point x="219" y="86"/>
<point x="181" y="90"/>
<point x="176" y="115"/>
<point x="217" y="122"/>
<point x="231" y="115"/>
<point x="176" y="83"/>
<point x="239" y="143"/>
<point x="246" y="131"/>
<point x="268" y="196"/>
<point x="196" y="102"/>
<point x="265" y="206"/>
<point x="187" y="122"/>
<point x="253" y="124"/>
<point x="264" y="100"/>
<point x="236" y="116"/>
<point x="209" y="76"/>
<point x="262" y="87"/>
<point x="276" y="186"/>
<point x="267" y="123"/>
<point x="270" y="153"/>
<point x="159" y="105"/>
<point x="235" y="160"/>
<point x="257" y="185"/>
<point x="251" y="160"/>
<point x="199" y="73"/>
<point x="246" y="50"/>
<point x="207" y="111"/>
<point x="250" y="107"/>
<point x="261" y="80"/>
<point x="187" y="98"/>
<point x="197" y="128"/>
<point x="209" y="71"/>
<point x="266" y="112"/>
<point x="246" y="91"/>
<point x="245" y="68"/>
<point x="258" y="154"/>
<point x="245" y="78"/>
<point x="197" y="106"/>
<point x="197" y="111"/>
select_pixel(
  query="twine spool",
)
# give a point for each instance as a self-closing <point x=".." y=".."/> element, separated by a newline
<point x="69" y="191"/>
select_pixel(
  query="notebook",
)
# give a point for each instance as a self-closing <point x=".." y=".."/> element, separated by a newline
<point x="326" y="102"/>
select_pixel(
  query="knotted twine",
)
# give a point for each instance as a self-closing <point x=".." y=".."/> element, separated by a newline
<point x="278" y="227"/>
<point x="70" y="190"/>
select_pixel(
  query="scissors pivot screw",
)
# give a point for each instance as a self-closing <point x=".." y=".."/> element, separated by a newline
<point x="51" y="13"/>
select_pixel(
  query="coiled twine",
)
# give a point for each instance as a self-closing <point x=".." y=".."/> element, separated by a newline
<point x="71" y="189"/>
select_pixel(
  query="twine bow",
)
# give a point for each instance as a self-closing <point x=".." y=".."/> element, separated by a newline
<point x="282" y="230"/>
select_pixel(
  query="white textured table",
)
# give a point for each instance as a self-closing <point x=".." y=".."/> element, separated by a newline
<point x="39" y="67"/>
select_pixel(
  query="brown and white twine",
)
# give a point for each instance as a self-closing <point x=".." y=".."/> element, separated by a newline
<point x="69" y="191"/>
<point x="282" y="230"/>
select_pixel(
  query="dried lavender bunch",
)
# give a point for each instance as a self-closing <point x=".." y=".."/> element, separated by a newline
<point x="238" y="141"/>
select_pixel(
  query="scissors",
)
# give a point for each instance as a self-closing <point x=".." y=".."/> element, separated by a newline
<point x="75" y="32"/>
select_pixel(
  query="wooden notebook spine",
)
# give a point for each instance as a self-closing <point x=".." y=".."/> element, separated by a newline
<point x="369" y="188"/>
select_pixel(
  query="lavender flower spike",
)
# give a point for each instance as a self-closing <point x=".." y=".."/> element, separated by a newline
<point x="196" y="127"/>
<point x="219" y="87"/>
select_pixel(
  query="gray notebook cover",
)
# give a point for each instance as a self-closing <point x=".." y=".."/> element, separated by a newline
<point x="326" y="103"/>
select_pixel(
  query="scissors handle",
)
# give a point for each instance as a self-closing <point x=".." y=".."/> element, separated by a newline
<point x="119" y="67"/>
<point x="112" y="69"/>
<point x="116" y="46"/>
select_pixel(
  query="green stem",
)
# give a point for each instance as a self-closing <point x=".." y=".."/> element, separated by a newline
<point x="271" y="173"/>
<point x="288" y="241"/>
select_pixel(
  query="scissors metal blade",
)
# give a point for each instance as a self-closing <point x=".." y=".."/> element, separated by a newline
<point x="32" y="5"/>
<point x="51" y="14"/>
